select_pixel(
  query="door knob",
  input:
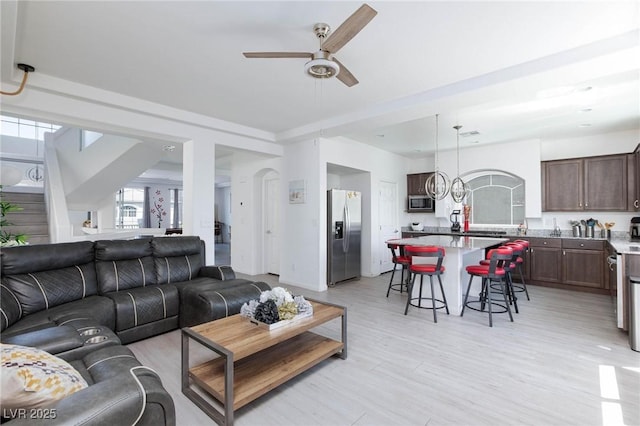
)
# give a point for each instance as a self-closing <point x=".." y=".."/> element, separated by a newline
<point x="268" y="231"/>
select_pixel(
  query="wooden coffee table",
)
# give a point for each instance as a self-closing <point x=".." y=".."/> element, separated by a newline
<point x="250" y="360"/>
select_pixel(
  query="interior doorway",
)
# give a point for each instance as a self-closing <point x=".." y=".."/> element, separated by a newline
<point x="388" y="212"/>
<point x="271" y="223"/>
<point x="222" y="216"/>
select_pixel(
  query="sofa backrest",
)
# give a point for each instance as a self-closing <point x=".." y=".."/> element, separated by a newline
<point x="177" y="258"/>
<point x="38" y="277"/>
<point x="124" y="264"/>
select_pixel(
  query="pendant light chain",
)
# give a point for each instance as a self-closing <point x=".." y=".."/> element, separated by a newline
<point x="459" y="189"/>
<point x="437" y="185"/>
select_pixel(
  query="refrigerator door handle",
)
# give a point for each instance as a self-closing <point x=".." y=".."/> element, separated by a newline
<point x="347" y="227"/>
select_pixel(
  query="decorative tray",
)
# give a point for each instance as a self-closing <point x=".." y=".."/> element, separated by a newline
<point x="279" y="324"/>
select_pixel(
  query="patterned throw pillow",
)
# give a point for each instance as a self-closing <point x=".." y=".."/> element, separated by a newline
<point x="33" y="378"/>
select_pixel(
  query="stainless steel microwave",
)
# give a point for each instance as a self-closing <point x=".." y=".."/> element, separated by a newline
<point x="421" y="203"/>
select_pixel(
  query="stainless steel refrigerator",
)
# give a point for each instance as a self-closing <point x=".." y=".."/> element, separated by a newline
<point x="344" y="228"/>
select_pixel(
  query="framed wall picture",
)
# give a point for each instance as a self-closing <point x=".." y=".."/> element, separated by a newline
<point x="297" y="191"/>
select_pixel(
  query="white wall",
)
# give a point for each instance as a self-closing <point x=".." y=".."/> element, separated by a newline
<point x="305" y="254"/>
<point x="303" y="257"/>
<point x="610" y="143"/>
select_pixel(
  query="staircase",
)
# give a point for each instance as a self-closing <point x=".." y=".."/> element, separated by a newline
<point x="31" y="220"/>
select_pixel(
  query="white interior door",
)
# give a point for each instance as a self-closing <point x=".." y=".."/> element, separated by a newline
<point x="272" y="248"/>
<point x="389" y="229"/>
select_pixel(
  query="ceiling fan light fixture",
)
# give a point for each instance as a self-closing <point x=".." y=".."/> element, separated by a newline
<point x="321" y="68"/>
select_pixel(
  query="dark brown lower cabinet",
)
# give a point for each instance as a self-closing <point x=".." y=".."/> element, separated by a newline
<point x="569" y="263"/>
<point x="545" y="257"/>
<point x="583" y="263"/>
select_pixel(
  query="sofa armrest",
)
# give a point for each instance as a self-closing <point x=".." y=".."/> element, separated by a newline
<point x="52" y="339"/>
<point x="130" y="398"/>
<point x="222" y="273"/>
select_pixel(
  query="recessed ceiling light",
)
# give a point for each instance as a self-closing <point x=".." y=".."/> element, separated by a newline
<point x="585" y="89"/>
<point x="586" y="110"/>
<point x="381" y="135"/>
<point x="585" y="125"/>
<point x="470" y="133"/>
<point x="474" y="142"/>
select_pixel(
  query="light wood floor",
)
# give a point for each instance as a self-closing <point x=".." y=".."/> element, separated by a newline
<point x="562" y="362"/>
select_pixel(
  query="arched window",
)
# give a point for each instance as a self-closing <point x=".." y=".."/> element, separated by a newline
<point x="496" y="198"/>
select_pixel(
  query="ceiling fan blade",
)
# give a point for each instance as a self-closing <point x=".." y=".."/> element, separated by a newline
<point x="278" y="55"/>
<point x="345" y="75"/>
<point x="349" y="28"/>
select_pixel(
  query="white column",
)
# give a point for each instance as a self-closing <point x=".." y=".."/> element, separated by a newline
<point x="199" y="177"/>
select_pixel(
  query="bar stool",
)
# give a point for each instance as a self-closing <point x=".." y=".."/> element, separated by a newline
<point x="523" y="287"/>
<point x="518" y="249"/>
<point x="404" y="262"/>
<point x="496" y="270"/>
<point x="422" y="269"/>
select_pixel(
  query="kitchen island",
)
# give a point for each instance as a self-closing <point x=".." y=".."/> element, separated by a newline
<point x="459" y="253"/>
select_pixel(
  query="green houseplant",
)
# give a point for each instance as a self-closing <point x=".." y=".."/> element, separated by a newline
<point x="8" y="239"/>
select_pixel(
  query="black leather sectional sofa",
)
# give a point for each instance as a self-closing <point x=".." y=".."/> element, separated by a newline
<point x="81" y="301"/>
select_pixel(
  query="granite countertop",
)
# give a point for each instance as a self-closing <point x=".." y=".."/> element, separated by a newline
<point x="510" y="233"/>
<point x="453" y="241"/>
<point x="625" y="246"/>
<point x="620" y="241"/>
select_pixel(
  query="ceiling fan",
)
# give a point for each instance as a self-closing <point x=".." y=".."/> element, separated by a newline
<point x="323" y="64"/>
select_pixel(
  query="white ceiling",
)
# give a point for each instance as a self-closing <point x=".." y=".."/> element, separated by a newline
<point x="483" y="65"/>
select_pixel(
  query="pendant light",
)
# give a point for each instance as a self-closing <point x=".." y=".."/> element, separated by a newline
<point x="437" y="185"/>
<point x="35" y="173"/>
<point x="458" y="187"/>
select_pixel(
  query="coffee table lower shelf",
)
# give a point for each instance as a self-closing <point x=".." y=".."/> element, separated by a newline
<point x="259" y="373"/>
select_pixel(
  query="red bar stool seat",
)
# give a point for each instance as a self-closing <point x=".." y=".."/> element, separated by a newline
<point x="404" y="262"/>
<point x="497" y="270"/>
<point x="422" y="269"/>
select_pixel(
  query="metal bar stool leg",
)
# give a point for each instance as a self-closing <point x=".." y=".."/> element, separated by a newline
<point x="444" y="298"/>
<point x="488" y="295"/>
<point x="466" y="296"/>
<point x="433" y="298"/>
<point x="504" y="293"/>
<point x="511" y="291"/>
<point x="393" y="272"/>
<point x="524" y="284"/>
<point x="410" y="290"/>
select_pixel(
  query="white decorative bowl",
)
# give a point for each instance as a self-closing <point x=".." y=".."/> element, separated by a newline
<point x="417" y="226"/>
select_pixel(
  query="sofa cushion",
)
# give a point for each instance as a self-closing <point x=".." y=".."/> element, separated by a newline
<point x="45" y="257"/>
<point x="124" y="264"/>
<point x="99" y="310"/>
<point x="121" y="391"/>
<point x="37" y="291"/>
<point x="201" y="303"/>
<point x="33" y="378"/>
<point x="10" y="308"/>
<point x="143" y="305"/>
<point x="177" y="258"/>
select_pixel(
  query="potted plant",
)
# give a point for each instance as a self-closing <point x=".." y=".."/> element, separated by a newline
<point x="8" y="239"/>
